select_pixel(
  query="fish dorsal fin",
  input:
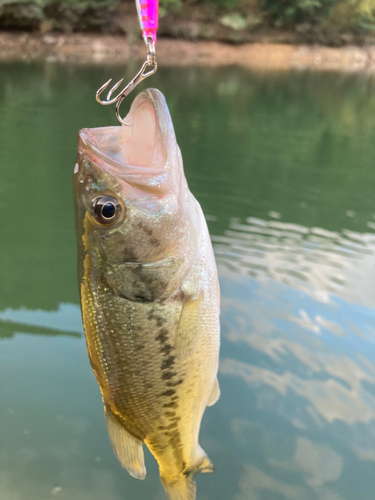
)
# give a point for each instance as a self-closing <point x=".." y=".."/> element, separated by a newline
<point x="127" y="448"/>
<point x="215" y="393"/>
<point x="188" y="326"/>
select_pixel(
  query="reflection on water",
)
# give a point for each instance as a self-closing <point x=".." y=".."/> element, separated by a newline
<point x="312" y="260"/>
<point x="298" y="337"/>
<point x="66" y="320"/>
<point x="283" y="167"/>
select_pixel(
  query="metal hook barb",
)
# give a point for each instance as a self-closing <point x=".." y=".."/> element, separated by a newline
<point x="143" y="73"/>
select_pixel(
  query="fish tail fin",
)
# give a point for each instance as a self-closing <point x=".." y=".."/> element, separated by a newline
<point x="183" y="488"/>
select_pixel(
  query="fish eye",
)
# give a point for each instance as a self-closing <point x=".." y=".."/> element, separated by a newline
<point x="106" y="209"/>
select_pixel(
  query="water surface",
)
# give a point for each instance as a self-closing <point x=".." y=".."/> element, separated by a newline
<point x="282" y="165"/>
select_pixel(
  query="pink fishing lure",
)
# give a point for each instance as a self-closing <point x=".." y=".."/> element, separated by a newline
<point x="148" y="15"/>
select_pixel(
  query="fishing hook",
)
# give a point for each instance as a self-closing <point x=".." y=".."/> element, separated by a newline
<point x="139" y="77"/>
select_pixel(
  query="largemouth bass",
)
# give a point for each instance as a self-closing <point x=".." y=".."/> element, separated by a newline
<point x="149" y="293"/>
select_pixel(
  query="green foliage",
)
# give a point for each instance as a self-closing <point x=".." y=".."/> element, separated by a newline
<point x="354" y="15"/>
<point x="346" y="15"/>
<point x="223" y="4"/>
<point x="323" y="21"/>
<point x="166" y="6"/>
<point x="234" y="20"/>
<point x="289" y="12"/>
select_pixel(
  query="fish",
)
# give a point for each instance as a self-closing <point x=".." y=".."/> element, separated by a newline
<point x="149" y="293"/>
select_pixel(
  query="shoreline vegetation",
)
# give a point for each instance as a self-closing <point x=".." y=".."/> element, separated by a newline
<point x="90" y="48"/>
<point x="261" y="34"/>
<point x="323" y="22"/>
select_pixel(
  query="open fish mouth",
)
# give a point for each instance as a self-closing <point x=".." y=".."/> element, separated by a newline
<point x="143" y="147"/>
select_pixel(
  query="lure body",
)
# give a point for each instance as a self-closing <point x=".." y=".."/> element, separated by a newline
<point x="149" y="293"/>
<point x="148" y="16"/>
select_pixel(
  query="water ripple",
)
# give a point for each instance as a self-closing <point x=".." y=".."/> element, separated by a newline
<point x="313" y="260"/>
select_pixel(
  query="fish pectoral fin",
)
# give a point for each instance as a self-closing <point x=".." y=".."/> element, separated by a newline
<point x="127" y="448"/>
<point x="215" y="393"/>
<point x="188" y="327"/>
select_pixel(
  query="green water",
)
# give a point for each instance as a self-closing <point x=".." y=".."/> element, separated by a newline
<point x="283" y="165"/>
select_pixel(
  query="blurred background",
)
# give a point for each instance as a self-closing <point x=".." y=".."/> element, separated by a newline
<point x="280" y="154"/>
<point x="331" y="22"/>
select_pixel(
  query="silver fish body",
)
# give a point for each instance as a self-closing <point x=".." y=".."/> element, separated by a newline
<point x="149" y="293"/>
